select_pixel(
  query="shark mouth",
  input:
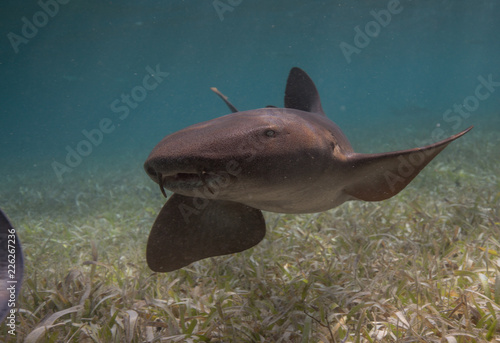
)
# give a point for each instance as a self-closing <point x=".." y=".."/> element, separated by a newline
<point x="186" y="181"/>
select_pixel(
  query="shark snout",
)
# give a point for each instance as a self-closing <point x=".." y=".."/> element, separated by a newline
<point x="166" y="178"/>
<point x="181" y="174"/>
<point x="169" y="166"/>
<point x="151" y="168"/>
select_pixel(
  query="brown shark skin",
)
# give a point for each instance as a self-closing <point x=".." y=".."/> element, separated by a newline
<point x="285" y="160"/>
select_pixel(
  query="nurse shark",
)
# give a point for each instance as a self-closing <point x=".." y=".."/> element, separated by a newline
<point x="224" y="171"/>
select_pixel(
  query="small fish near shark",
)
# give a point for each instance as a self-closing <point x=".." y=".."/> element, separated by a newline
<point x="224" y="171"/>
<point x="11" y="271"/>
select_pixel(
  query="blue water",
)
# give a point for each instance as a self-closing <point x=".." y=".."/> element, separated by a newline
<point x="66" y="76"/>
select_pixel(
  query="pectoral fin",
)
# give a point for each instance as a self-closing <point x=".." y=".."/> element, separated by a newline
<point x="375" y="177"/>
<point x="188" y="229"/>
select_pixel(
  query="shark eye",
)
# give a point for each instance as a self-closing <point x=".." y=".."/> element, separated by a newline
<point x="270" y="133"/>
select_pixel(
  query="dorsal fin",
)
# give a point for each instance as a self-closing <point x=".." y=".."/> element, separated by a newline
<point x="301" y="93"/>
<point x="224" y="98"/>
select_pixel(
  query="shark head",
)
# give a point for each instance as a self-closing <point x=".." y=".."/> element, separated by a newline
<point x="261" y="155"/>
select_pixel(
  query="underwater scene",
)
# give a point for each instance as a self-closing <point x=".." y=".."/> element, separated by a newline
<point x="250" y="171"/>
